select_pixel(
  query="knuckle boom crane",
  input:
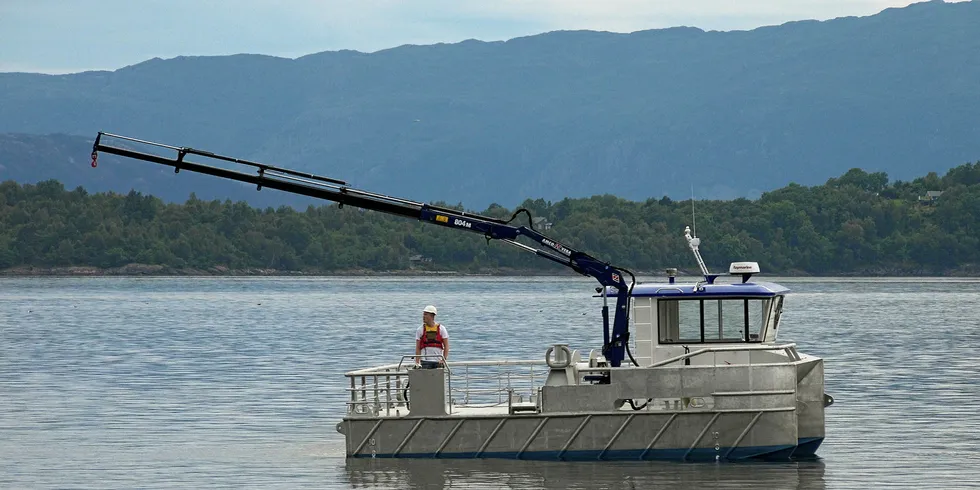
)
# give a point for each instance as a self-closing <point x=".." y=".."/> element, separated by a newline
<point x="615" y="339"/>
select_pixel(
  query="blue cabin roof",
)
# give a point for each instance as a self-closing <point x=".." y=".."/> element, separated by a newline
<point x="749" y="289"/>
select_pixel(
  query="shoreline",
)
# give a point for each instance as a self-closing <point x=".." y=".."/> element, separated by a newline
<point x="142" y="270"/>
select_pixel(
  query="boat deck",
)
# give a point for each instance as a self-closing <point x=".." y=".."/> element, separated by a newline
<point x="493" y="388"/>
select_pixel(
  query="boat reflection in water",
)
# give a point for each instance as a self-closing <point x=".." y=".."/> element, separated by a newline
<point x="491" y="473"/>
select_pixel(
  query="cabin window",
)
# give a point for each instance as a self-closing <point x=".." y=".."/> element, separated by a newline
<point x="712" y="320"/>
<point x="777" y="311"/>
<point x="758" y="313"/>
<point x="724" y="320"/>
<point x="689" y="320"/>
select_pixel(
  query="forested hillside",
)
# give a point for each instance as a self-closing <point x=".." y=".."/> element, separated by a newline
<point x="858" y="223"/>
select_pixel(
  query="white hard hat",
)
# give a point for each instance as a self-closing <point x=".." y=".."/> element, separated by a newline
<point x="430" y="309"/>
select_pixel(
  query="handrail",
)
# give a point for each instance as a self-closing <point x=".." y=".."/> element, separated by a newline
<point x="789" y="348"/>
<point x="478" y="378"/>
<point x="445" y="362"/>
<point x="383" y="392"/>
<point x="487" y="362"/>
<point x="383" y="369"/>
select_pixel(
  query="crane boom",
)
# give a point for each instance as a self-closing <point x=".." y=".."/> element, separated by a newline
<point x="311" y="185"/>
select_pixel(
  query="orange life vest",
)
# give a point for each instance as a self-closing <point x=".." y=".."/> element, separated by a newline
<point x="431" y="336"/>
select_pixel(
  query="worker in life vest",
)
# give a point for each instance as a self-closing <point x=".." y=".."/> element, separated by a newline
<point x="431" y="341"/>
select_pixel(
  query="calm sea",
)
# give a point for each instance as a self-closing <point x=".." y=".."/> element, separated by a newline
<point x="238" y="382"/>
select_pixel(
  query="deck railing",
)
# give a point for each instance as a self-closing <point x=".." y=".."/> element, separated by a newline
<point x="383" y="390"/>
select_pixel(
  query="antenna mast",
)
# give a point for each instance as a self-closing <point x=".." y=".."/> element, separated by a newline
<point x="694" y="221"/>
<point x="693" y="242"/>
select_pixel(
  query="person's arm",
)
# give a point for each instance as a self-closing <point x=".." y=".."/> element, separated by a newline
<point x="418" y="350"/>
<point x="445" y="343"/>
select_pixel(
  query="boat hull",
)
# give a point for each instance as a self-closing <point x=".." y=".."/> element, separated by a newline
<point x="704" y="436"/>
<point x="767" y="408"/>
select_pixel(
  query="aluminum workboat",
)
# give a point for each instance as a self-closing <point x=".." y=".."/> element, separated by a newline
<point x="708" y="381"/>
<point x="705" y="378"/>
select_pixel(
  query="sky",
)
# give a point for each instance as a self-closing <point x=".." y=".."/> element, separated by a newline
<point x="67" y="36"/>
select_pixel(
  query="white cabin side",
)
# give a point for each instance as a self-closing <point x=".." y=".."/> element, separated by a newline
<point x="668" y="326"/>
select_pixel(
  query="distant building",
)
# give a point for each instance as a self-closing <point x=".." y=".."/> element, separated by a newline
<point x="541" y="223"/>
<point x="419" y="259"/>
<point x="930" y="197"/>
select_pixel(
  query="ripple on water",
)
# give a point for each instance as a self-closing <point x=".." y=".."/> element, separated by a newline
<point x="185" y="382"/>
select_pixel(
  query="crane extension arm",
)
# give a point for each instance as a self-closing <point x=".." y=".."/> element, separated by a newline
<point x="306" y="184"/>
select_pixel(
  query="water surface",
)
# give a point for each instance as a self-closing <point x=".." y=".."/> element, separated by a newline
<point x="238" y="382"/>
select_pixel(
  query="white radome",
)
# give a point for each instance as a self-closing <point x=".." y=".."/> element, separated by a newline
<point x="744" y="268"/>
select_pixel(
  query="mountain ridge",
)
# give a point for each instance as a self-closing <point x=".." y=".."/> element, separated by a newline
<point x="561" y="114"/>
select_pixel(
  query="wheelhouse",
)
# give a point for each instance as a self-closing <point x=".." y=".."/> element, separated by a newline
<point x="673" y="319"/>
